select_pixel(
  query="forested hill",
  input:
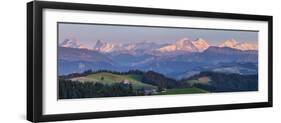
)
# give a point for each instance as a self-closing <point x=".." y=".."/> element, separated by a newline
<point x="221" y="82"/>
<point x="104" y="83"/>
<point x="150" y="77"/>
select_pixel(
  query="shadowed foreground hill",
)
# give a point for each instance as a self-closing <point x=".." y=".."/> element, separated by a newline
<point x="138" y="83"/>
<point x="221" y="82"/>
<point x="117" y="84"/>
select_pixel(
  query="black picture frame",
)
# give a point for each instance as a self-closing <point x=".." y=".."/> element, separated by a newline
<point x="35" y="69"/>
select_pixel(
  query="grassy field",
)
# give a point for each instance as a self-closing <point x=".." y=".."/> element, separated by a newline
<point x="109" y="78"/>
<point x="201" y="80"/>
<point x="183" y="91"/>
<point x="135" y="80"/>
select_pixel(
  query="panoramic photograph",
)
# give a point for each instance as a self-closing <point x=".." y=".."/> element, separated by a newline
<point x="103" y="60"/>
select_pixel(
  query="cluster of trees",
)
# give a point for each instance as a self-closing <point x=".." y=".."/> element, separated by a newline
<point x="73" y="89"/>
<point x="161" y="81"/>
<point x="222" y="82"/>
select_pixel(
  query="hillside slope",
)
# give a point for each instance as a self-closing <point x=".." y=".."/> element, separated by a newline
<point x="221" y="82"/>
<point x="110" y="78"/>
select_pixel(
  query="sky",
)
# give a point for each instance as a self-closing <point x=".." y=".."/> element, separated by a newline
<point x="89" y="34"/>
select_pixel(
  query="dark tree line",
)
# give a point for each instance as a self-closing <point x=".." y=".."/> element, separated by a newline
<point x="221" y="82"/>
<point x="73" y="89"/>
<point x="161" y="81"/>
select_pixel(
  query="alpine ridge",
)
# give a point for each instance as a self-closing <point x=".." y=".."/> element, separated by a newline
<point x="240" y="46"/>
<point x="181" y="45"/>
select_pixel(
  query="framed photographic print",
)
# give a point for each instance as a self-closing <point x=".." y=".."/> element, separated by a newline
<point x="96" y="61"/>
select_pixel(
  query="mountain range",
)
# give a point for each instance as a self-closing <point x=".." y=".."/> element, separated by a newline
<point x="177" y="60"/>
<point x="236" y="45"/>
<point x="181" y="45"/>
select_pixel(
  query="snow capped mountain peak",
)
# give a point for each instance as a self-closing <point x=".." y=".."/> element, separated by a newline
<point x="240" y="46"/>
<point x="183" y="44"/>
<point x="69" y="43"/>
<point x="130" y="46"/>
<point x="73" y="43"/>
<point x="201" y="44"/>
<point x="229" y="43"/>
<point x="247" y="46"/>
<point x="104" y="46"/>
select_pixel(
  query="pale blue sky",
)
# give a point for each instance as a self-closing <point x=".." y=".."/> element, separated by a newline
<point x="90" y="33"/>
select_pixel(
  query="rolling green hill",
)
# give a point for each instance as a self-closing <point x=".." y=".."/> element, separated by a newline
<point x="116" y="84"/>
<point x="110" y="78"/>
